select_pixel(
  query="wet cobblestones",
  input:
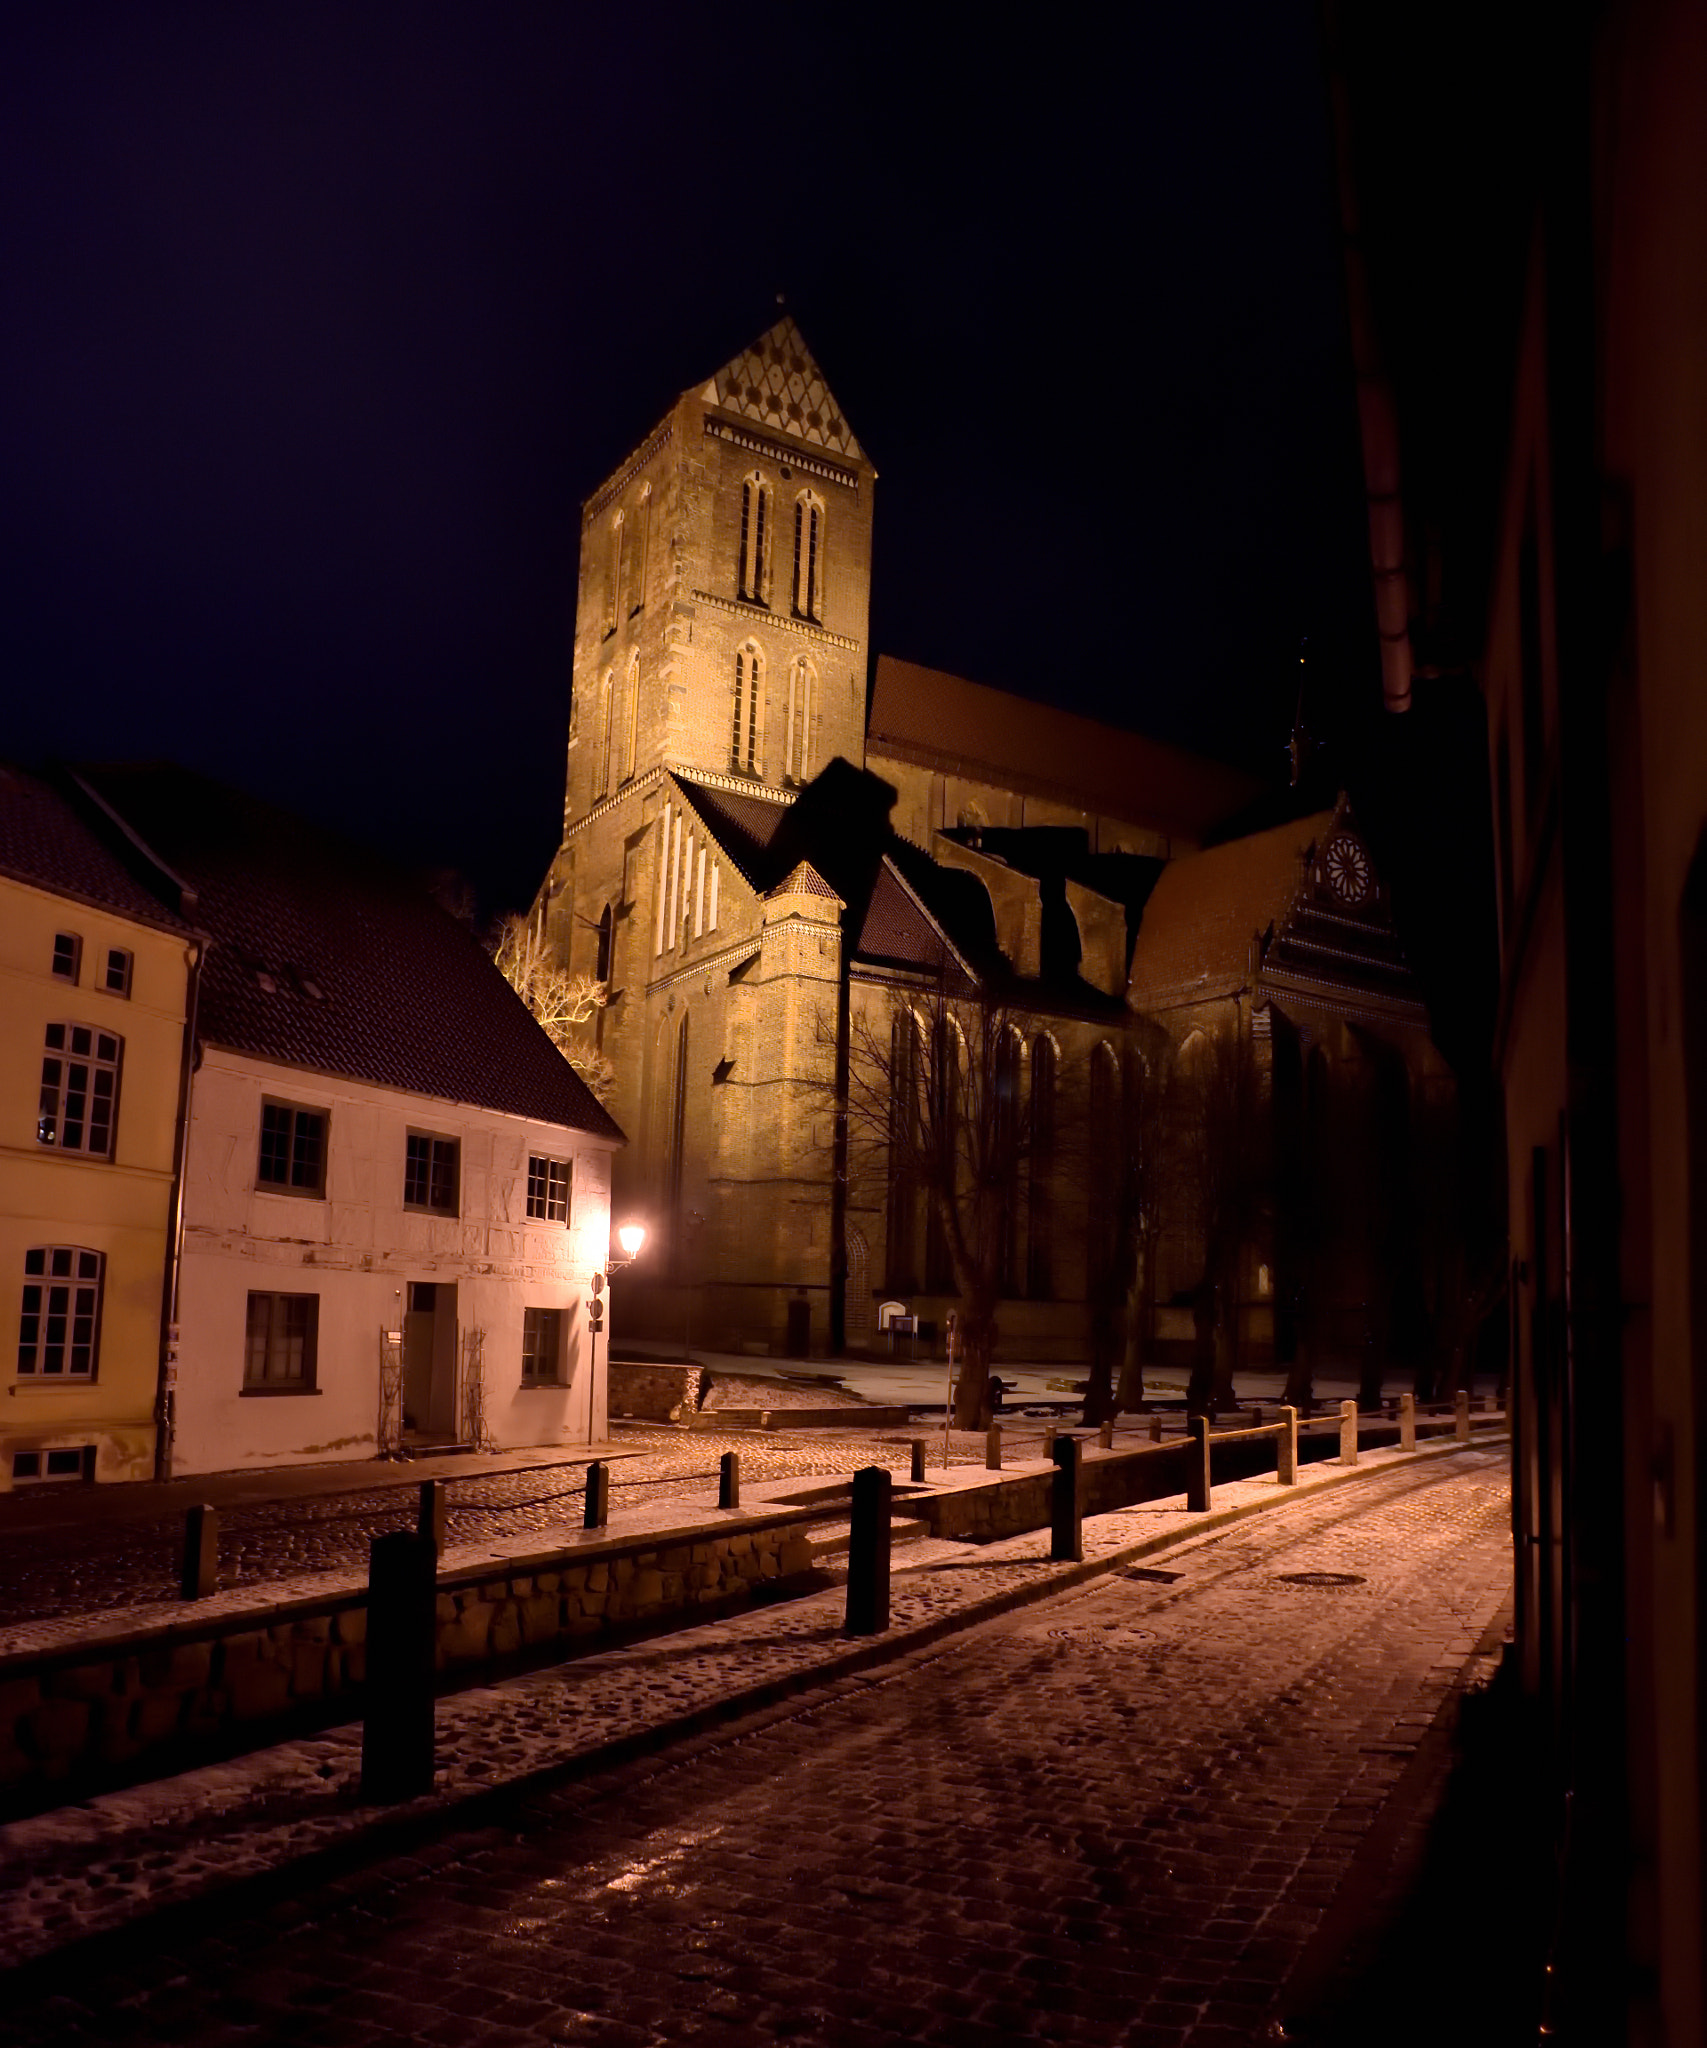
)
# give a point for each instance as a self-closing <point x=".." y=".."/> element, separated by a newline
<point x="1114" y="1817"/>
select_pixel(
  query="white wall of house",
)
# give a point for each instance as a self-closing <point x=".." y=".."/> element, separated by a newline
<point x="358" y="1250"/>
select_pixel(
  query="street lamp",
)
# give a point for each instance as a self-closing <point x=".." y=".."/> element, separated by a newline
<point x="631" y="1237"/>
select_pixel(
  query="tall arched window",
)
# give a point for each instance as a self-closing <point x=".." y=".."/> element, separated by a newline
<point x="603" y="964"/>
<point x="607" y="722"/>
<point x="631" y="712"/>
<point x="745" y="734"/>
<point x="808" y="556"/>
<point x="1009" y="1145"/>
<point x="802" y="702"/>
<point x="639" y="547"/>
<point x="1104" y="1157"/>
<point x="613" y="576"/>
<point x="1040" y="1236"/>
<point x="753" y="568"/>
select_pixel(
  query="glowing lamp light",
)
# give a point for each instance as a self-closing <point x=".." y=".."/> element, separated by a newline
<point x="631" y="1237"/>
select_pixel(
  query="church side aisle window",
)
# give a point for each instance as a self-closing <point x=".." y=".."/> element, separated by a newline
<point x="752" y="573"/>
<point x="808" y="557"/>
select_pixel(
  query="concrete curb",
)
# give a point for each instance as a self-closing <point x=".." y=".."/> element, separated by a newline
<point x="398" y="1831"/>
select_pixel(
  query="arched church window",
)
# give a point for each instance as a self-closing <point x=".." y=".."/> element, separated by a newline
<point x="603" y="967"/>
<point x="639" y="546"/>
<point x="745" y="734"/>
<point x="631" y="733"/>
<point x="808" y="556"/>
<point x="1040" y="1232"/>
<point x="607" y="719"/>
<point x="752" y="577"/>
<point x="613" y="576"/>
<point x="802" y="702"/>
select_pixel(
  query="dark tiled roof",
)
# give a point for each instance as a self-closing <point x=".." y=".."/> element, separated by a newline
<point x="991" y="736"/>
<point x="744" y="826"/>
<point x="895" y="932"/>
<point x="44" y="840"/>
<point x="326" y="957"/>
<point x="1205" y="908"/>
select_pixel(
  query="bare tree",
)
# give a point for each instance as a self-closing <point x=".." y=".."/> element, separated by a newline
<point x="936" y="1105"/>
<point x="1133" y="1175"/>
<point x="563" y="1003"/>
<point x="1222" y="1144"/>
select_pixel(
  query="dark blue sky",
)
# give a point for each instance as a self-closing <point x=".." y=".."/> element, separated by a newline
<point x="317" y="323"/>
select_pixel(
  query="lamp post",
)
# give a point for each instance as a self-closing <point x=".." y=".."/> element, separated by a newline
<point x="631" y="1237"/>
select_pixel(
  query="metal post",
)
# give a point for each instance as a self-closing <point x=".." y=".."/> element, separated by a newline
<point x="993" y="1448"/>
<point x="950" y="1344"/>
<point x="1066" y="1513"/>
<point x="397" y="1716"/>
<point x="1407" y="1422"/>
<point x="1155" y="1425"/>
<point x="430" y="1514"/>
<point x="868" y="1552"/>
<point x="1286" y="1454"/>
<point x="1105" y="1437"/>
<point x="199" y="1573"/>
<point x="729" y="1480"/>
<point x="598" y="1494"/>
<point x="1461" y="1416"/>
<point x="1049" y="1435"/>
<point x="1348" y="1432"/>
<point x="917" y="1474"/>
<point x="1197" y="1493"/>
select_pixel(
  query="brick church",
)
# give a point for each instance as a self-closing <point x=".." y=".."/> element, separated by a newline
<point x="768" y="831"/>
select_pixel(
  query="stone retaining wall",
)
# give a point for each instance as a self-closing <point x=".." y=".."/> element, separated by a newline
<point x="154" y="1701"/>
<point x="655" y="1393"/>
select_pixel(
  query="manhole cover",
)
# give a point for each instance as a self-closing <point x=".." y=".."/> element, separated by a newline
<point x="1148" y="1575"/>
<point x="1321" y="1579"/>
<point x="1104" y="1635"/>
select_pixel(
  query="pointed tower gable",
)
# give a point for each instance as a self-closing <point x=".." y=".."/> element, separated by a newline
<point x="777" y="383"/>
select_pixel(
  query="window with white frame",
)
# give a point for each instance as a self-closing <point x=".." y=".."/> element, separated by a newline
<point x="542" y="1347"/>
<point x="79" y="1090"/>
<point x="548" y="1189"/>
<point x="115" y="975"/>
<point x="280" y="1354"/>
<point x="59" y="1330"/>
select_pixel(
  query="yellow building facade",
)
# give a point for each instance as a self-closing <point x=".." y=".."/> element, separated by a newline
<point x="94" y="980"/>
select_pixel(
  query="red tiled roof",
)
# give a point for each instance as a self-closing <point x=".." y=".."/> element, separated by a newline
<point x="896" y="931"/>
<point x="991" y="736"/>
<point x="44" y="840"/>
<point x="1206" y="907"/>
<point x="326" y="957"/>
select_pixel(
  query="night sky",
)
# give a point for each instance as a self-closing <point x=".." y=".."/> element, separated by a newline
<point x="318" y="322"/>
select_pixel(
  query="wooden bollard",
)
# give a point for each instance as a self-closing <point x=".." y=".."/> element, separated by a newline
<point x="1050" y="1432"/>
<point x="1407" y="1422"/>
<point x="1197" y="1465"/>
<point x="868" y="1552"/>
<point x="729" y="1480"/>
<point x="598" y="1495"/>
<point x="993" y="1448"/>
<point x="1105" y="1437"/>
<point x="430" y="1514"/>
<point x="1286" y="1449"/>
<point x="917" y="1474"/>
<point x="397" y="1716"/>
<point x="1066" y="1514"/>
<point x="1461" y="1416"/>
<point x="1155" y="1425"/>
<point x="199" y="1572"/>
<point x="1348" y="1432"/>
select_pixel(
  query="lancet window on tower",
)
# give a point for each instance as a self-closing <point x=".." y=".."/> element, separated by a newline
<point x="631" y="708"/>
<point x="745" y="734"/>
<point x="802" y="696"/>
<point x="753" y="569"/>
<point x="613" y="576"/>
<point x="639" y="546"/>
<point x="607" y="721"/>
<point x="808" y="556"/>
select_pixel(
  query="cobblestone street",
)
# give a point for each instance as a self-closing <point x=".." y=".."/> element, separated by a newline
<point x="1118" y="1816"/>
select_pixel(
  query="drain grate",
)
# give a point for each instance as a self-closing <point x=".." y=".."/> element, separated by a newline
<point x="1148" y="1575"/>
<point x="1321" y="1579"/>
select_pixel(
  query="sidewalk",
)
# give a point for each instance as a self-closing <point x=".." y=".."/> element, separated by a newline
<point x="291" y="1815"/>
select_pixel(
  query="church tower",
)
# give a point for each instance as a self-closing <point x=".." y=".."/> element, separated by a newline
<point x="720" y="647"/>
<point x="721" y="613"/>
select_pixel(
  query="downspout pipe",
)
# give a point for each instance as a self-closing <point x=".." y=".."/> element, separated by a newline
<point x="1377" y="415"/>
<point x="165" y="1397"/>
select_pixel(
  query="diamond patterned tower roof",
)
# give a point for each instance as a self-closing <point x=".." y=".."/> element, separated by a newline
<point x="776" y="382"/>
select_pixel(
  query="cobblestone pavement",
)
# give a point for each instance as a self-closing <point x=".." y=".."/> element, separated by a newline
<point x="126" y="1563"/>
<point x="1117" y="1816"/>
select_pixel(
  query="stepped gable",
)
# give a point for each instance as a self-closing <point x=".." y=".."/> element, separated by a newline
<point x="928" y="716"/>
<point x="326" y="957"/>
<point x="776" y="383"/>
<point x="1206" y="908"/>
<point x="45" y="841"/>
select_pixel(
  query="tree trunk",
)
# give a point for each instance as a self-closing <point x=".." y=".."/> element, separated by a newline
<point x="972" y="1388"/>
<point x="1129" y="1396"/>
<point x="1200" y="1387"/>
